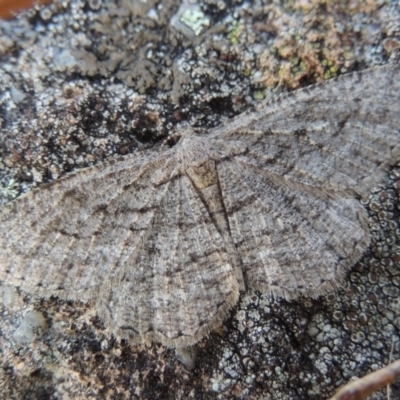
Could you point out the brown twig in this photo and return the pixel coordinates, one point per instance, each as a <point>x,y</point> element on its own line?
<point>369,384</point>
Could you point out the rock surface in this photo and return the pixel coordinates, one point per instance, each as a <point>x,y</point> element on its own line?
<point>83,81</point>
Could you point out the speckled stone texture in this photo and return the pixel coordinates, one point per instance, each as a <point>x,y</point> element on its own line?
<point>84,81</point>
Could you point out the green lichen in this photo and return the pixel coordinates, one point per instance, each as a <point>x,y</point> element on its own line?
<point>195,20</point>
<point>9,192</point>
<point>258,95</point>
<point>331,72</point>
<point>247,71</point>
<point>233,34</point>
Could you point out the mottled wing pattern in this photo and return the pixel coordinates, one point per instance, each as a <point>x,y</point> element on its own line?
<point>147,236</point>
<point>132,234</point>
<point>69,237</point>
<point>291,172</point>
<point>292,239</point>
<point>342,134</point>
<point>180,284</point>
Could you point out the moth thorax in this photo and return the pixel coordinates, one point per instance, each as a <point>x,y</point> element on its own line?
<point>196,161</point>
<point>203,174</point>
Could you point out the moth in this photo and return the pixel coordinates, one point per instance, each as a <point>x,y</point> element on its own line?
<point>164,240</point>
